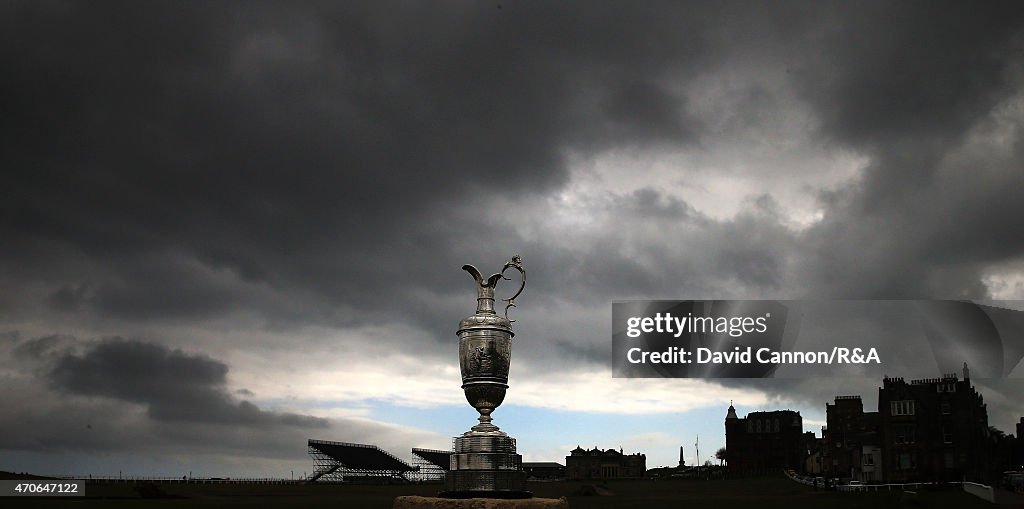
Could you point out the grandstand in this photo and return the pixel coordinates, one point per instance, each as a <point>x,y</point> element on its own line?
<point>432,463</point>
<point>344,462</point>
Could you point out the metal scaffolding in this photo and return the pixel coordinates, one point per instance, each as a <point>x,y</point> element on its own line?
<point>347,462</point>
<point>432,463</point>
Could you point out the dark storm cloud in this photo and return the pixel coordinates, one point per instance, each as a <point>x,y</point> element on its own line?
<point>289,145</point>
<point>649,244</point>
<point>173,385</point>
<point>286,144</point>
<point>163,287</point>
<point>129,397</point>
<point>69,297</point>
<point>39,348</point>
<point>936,242</point>
<point>911,70</point>
<point>53,422</point>
<point>906,83</point>
<point>652,247</point>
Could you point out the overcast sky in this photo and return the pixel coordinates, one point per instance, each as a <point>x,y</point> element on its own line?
<point>230,227</point>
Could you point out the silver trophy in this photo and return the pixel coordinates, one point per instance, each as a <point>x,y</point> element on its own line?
<point>485,463</point>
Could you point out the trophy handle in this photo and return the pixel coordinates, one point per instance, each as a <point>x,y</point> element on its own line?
<point>515,263</point>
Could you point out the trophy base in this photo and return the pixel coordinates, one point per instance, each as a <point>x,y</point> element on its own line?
<point>485,465</point>
<point>486,483</point>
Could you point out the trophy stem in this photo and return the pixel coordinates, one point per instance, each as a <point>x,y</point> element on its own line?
<point>485,426</point>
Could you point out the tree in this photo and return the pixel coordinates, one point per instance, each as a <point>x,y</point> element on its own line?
<point>720,454</point>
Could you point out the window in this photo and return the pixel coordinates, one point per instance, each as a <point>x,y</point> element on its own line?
<point>759,426</point>
<point>869,460</point>
<point>905,461</point>
<point>949,460</point>
<point>903,407</point>
<point>903,433</point>
<point>947,434</point>
<point>775,425</point>
<point>946,409</point>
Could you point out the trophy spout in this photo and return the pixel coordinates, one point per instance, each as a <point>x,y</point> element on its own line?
<point>485,287</point>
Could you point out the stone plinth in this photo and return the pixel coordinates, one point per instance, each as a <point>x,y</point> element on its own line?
<point>413,502</point>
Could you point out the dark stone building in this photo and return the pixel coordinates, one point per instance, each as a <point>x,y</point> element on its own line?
<point>934,430</point>
<point>604,464</point>
<point>544,470</point>
<point>763,441</point>
<point>1020,444</point>
<point>851,445</point>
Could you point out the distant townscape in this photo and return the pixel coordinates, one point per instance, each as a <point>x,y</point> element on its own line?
<point>930,430</point>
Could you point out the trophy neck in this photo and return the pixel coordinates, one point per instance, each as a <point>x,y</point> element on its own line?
<point>485,300</point>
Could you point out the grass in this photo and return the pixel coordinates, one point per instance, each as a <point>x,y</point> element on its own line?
<point>758,493</point>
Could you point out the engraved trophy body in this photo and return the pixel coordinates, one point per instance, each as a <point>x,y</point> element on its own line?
<point>484,462</point>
